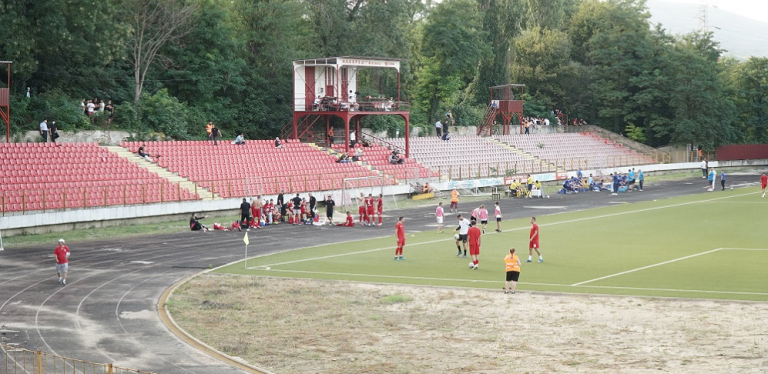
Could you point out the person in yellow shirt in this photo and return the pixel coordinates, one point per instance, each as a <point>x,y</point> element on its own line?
<point>512,264</point>
<point>209,130</point>
<point>455,200</point>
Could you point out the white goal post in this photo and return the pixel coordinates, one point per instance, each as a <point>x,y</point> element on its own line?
<point>353,187</point>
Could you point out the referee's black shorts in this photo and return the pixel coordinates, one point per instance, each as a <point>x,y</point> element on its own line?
<point>513,276</point>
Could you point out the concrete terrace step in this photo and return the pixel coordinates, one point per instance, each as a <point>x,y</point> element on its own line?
<point>185,183</point>
<point>523,153</point>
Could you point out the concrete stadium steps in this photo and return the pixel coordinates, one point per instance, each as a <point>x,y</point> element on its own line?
<point>186,184</point>
<point>525,154</point>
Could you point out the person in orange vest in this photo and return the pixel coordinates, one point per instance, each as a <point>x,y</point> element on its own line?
<point>455,200</point>
<point>512,264</point>
<point>209,130</point>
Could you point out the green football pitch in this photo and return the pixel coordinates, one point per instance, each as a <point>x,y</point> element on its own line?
<point>712,245</point>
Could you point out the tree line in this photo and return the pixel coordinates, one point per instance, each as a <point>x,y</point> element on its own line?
<point>170,66</point>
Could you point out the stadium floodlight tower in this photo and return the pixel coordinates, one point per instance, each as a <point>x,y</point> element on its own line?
<point>5,99</point>
<point>327,87</point>
<point>506,100</point>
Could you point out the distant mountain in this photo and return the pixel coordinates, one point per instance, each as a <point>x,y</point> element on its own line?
<point>741,37</point>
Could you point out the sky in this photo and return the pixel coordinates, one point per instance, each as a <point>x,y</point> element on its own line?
<point>753,9</point>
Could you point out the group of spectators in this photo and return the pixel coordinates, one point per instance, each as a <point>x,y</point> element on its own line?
<point>96,107</point>
<point>47,130</point>
<point>333,103</point>
<point>526,189</point>
<point>615,183</point>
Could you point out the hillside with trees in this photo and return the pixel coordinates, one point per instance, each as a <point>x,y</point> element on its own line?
<point>170,66</point>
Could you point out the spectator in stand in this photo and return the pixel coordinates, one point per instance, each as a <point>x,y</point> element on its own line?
<point>82,107</point>
<point>527,126</point>
<point>143,154</point>
<point>278,143</point>
<point>449,118</point>
<point>352,139</point>
<point>358,152</point>
<point>216,134</point>
<point>44,130</point>
<point>331,139</point>
<point>101,106</point>
<point>439,129</point>
<point>194,223</point>
<point>239,140</point>
<point>89,107</point>
<point>330,205</point>
<point>209,130</point>
<point>446,135</point>
<point>54,131</point>
<point>395,159</point>
<point>296,208</point>
<point>110,111</point>
<point>343,158</point>
<point>350,222</point>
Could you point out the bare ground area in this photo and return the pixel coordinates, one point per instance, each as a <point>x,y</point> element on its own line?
<point>310,326</point>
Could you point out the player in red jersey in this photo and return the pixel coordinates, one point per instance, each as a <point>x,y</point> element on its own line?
<point>473,235</point>
<point>350,222</point>
<point>400,234</point>
<point>61,253</point>
<point>764,182</point>
<point>369,210</point>
<point>533,243</point>
<point>256,205</point>
<point>361,208</point>
<point>380,207</point>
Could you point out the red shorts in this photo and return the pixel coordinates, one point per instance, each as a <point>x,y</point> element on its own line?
<point>474,251</point>
<point>533,244</point>
<point>400,242</point>
<point>765,186</point>
<point>257,212</point>
<point>370,212</point>
<point>361,210</point>
<point>381,211</point>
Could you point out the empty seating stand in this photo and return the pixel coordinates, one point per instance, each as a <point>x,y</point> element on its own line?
<point>256,167</point>
<point>575,150</point>
<point>465,157</point>
<point>47,176</point>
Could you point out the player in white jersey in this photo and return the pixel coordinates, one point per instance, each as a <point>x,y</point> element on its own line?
<point>462,229</point>
<point>497,214</point>
<point>439,215</point>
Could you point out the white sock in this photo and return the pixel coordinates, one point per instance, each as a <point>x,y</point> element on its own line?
<point>541,257</point>
<point>529,258</point>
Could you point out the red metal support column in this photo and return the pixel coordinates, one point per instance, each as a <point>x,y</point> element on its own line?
<point>398,88</point>
<point>407,137</point>
<point>357,129</point>
<point>346,134</point>
<point>327,130</point>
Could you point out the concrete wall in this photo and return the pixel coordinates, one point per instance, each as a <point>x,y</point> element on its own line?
<point>101,137</point>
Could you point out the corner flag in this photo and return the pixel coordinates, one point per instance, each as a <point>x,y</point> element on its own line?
<point>245,239</point>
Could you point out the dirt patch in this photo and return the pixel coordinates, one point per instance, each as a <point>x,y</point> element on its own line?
<point>310,326</point>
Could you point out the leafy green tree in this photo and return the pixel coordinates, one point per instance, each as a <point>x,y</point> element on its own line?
<point>451,48</point>
<point>541,61</point>
<point>750,82</point>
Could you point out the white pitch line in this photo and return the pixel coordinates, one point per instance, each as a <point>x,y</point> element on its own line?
<point>745,249</point>
<point>508,230</point>
<point>647,267</point>
<point>524,283</point>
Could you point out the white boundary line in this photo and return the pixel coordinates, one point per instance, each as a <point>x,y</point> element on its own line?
<point>647,267</point>
<point>525,283</point>
<point>669,262</point>
<point>490,233</point>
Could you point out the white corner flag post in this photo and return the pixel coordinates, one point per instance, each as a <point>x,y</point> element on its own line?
<point>246,241</point>
<point>1,242</point>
